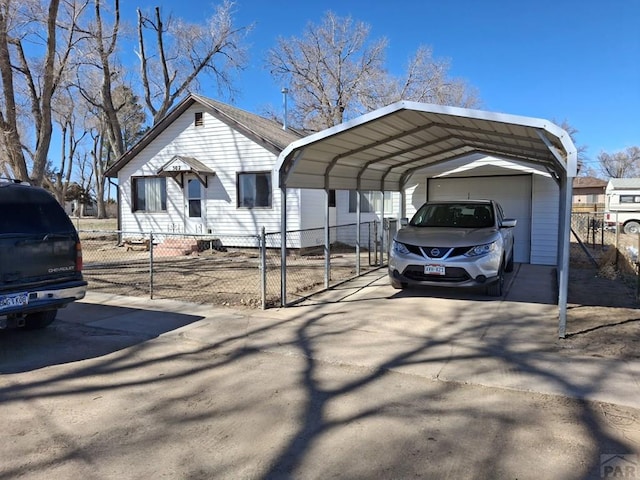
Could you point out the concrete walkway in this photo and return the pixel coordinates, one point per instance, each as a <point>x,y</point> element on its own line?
<point>439,334</point>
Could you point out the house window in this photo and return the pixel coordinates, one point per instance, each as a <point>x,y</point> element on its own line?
<point>149,194</point>
<point>332,198</point>
<point>194,194</point>
<point>254,189</point>
<point>370,202</point>
<point>199,119</point>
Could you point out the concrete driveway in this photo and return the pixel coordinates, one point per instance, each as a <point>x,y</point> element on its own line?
<point>360,382</point>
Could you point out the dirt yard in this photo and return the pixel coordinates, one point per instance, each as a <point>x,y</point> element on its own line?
<point>603,318</point>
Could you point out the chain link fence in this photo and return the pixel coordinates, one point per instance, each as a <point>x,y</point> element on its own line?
<point>307,271</point>
<point>245,270</point>
<point>598,242</point>
<point>229,270</point>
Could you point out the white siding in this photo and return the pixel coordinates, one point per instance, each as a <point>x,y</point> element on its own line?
<point>312,208</point>
<point>345,217</point>
<point>227,152</point>
<point>545,218</point>
<point>415,196</point>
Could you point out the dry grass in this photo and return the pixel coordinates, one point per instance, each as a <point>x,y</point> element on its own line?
<point>92,223</point>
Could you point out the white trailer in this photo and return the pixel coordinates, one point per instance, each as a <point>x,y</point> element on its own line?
<point>622,204</point>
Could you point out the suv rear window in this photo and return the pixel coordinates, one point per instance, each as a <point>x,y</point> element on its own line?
<point>31,211</point>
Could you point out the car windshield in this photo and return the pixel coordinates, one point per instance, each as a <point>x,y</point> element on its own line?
<point>460,215</point>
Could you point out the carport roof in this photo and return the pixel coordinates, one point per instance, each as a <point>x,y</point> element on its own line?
<point>382,149</point>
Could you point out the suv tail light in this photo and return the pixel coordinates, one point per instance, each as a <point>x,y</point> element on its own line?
<point>78,257</point>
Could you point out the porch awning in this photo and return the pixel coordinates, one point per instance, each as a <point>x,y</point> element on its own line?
<point>179,165</point>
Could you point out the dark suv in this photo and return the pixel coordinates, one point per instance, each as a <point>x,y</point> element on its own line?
<point>40,257</point>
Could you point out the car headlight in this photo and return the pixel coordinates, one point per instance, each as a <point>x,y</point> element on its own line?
<point>481,250</point>
<point>400,248</point>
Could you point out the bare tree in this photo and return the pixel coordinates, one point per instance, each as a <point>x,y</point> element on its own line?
<point>100,154</point>
<point>101,86</point>
<point>32,80</point>
<point>183,51</point>
<point>581,150</point>
<point>130,114</point>
<point>11,141</point>
<point>326,68</point>
<point>66,112</point>
<point>622,164</point>
<point>334,72</point>
<point>427,80</point>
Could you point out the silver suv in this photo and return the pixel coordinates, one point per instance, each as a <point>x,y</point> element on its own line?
<point>40,257</point>
<point>462,243</point>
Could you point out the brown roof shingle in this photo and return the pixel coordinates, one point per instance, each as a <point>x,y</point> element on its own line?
<point>263,131</point>
<point>589,182</point>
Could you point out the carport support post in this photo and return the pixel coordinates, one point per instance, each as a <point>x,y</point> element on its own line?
<point>327,240</point>
<point>358,238</point>
<point>382,242</point>
<point>151,265</point>
<point>563,282</point>
<point>283,246</point>
<point>263,267</point>
<point>358,220</point>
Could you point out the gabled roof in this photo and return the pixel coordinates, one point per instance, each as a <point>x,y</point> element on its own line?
<point>589,182</point>
<point>263,131</point>
<point>180,164</point>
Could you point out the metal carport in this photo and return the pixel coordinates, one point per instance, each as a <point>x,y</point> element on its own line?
<point>382,149</point>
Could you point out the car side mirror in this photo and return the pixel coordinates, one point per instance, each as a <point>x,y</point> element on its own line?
<point>508,223</point>
<point>404,221</point>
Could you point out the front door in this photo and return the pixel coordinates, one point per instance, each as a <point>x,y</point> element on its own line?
<point>194,214</point>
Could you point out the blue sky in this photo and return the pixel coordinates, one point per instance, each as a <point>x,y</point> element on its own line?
<point>574,60</point>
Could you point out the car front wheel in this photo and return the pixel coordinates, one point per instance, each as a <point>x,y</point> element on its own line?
<point>397,284</point>
<point>497,287</point>
<point>509,266</point>
<point>38,320</point>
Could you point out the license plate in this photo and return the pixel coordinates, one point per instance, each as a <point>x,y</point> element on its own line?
<point>434,270</point>
<point>15,300</point>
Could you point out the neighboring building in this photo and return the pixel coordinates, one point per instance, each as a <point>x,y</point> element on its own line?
<point>623,204</point>
<point>588,194</point>
<point>74,208</point>
<point>210,168</point>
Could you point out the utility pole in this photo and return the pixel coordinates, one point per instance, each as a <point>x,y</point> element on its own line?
<point>285,91</point>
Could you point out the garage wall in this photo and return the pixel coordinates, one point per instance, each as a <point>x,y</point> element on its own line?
<point>513,192</point>
<point>545,221</point>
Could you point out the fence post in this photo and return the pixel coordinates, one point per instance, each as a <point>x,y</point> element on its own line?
<point>263,268</point>
<point>358,226</point>
<point>151,265</point>
<point>375,243</point>
<point>617,245</point>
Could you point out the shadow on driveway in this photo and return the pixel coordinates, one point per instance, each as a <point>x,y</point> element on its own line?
<point>82,331</point>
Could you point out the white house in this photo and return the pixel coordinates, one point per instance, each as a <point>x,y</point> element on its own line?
<point>210,168</point>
